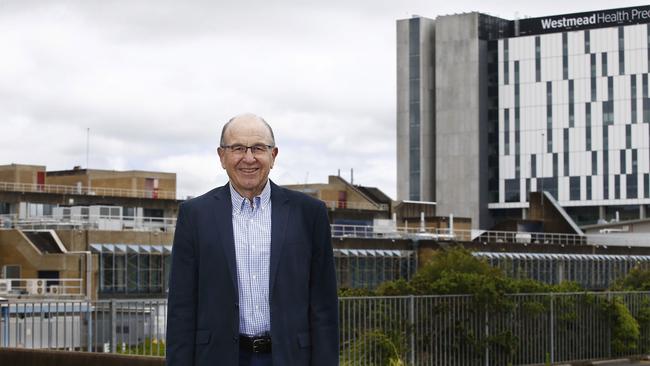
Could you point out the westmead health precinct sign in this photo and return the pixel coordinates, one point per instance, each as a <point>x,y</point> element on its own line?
<point>587,20</point>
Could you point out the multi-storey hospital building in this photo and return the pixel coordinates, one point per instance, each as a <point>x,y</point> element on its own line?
<point>490,109</point>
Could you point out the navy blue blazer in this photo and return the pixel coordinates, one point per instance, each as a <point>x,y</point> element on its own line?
<point>203,314</point>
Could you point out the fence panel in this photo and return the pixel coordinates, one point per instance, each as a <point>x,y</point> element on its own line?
<point>414,330</point>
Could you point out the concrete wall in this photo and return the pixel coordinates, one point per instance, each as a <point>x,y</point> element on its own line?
<point>18,173</point>
<point>427,109</point>
<point>460,140</point>
<point>113,179</point>
<point>330,191</point>
<point>402,117</point>
<point>16,249</point>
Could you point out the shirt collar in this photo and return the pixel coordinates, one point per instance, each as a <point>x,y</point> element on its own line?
<point>261,200</point>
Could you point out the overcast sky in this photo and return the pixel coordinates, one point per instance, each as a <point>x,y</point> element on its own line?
<point>154,81</point>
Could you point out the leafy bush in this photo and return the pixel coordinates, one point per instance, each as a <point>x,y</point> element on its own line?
<point>625,333</point>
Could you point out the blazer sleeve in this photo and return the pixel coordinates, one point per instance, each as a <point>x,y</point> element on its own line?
<point>182,299</point>
<point>323,311</point>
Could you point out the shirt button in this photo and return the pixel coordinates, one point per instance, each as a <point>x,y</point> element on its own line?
<point>257,307</point>
<point>254,277</point>
<point>235,339</point>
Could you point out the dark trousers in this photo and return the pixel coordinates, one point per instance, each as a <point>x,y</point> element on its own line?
<point>254,359</point>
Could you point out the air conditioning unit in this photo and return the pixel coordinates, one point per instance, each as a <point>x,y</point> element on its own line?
<point>5,287</point>
<point>55,290</point>
<point>36,287</point>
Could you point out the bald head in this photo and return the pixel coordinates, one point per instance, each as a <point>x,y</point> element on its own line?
<point>245,120</point>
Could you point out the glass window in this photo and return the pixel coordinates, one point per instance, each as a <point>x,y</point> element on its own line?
<point>632,186</point>
<point>120,273</point>
<point>132,271</point>
<point>574,188</point>
<point>156,273</point>
<point>144,272</point>
<point>512,190</point>
<point>107,272</point>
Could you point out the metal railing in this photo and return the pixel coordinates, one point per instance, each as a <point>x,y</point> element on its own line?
<point>40,287</point>
<point>356,205</point>
<point>136,223</point>
<point>115,326</point>
<point>89,222</point>
<point>84,190</point>
<point>416,330</point>
<point>461,330</point>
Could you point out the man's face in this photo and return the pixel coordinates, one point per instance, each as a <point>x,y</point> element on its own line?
<point>249,171</point>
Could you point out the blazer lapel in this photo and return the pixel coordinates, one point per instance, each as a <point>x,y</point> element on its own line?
<point>223,226</point>
<point>279,217</point>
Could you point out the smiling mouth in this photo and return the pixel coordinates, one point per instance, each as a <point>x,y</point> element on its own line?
<point>248,170</point>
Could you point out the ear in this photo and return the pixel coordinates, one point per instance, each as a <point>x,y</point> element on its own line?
<point>222,156</point>
<point>274,153</point>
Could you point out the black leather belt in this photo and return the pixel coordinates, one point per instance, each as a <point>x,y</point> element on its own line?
<point>255,344</point>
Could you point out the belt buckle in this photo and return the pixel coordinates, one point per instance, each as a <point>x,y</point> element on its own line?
<point>259,344</point>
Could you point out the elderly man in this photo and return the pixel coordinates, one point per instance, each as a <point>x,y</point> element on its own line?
<point>252,280</point>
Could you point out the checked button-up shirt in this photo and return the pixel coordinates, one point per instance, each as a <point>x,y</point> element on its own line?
<point>251,225</point>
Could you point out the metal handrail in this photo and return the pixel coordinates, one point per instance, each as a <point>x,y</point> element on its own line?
<point>84,190</point>
<point>89,222</point>
<point>355,205</point>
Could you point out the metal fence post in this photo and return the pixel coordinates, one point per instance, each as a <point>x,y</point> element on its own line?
<point>609,326</point>
<point>89,314</point>
<point>552,328</point>
<point>4,321</point>
<point>487,336</point>
<point>113,324</point>
<point>412,327</point>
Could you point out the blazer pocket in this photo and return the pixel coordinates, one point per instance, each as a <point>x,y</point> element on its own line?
<point>202,336</point>
<point>304,340</point>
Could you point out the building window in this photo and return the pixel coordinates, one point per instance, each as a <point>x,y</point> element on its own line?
<point>506,131</point>
<point>617,186</point>
<point>610,88</point>
<point>632,186</point>
<point>574,188</point>
<point>571,104</point>
<point>621,51</point>
<point>646,110</point>
<point>587,42</point>
<point>588,125</point>
<point>633,98</point>
<point>549,116</point>
<point>588,186</point>
<point>623,165</point>
<point>603,62</point>
<point>594,163</point>
<point>414,109</point>
<point>538,60</point>
<point>533,166</point>
<point>512,190</point>
<point>608,112</point>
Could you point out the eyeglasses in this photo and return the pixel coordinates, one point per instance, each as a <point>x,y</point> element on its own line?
<point>240,150</point>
